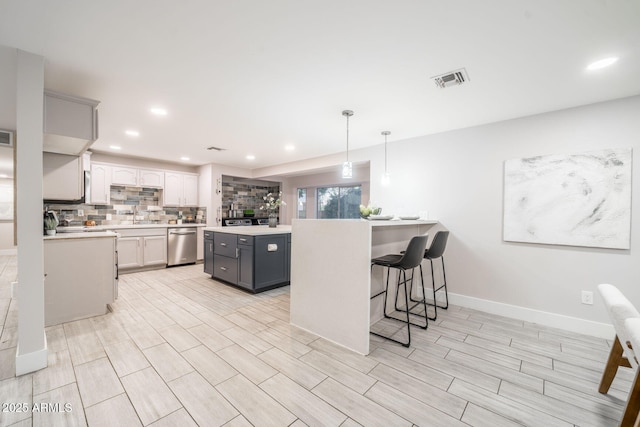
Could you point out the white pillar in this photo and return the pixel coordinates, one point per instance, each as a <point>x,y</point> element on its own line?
<point>31,353</point>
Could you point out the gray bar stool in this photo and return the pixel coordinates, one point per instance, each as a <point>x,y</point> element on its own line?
<point>435,251</point>
<point>408,260</point>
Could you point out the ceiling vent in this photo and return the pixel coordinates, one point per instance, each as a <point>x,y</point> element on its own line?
<point>215,148</point>
<point>6,138</point>
<point>452,78</point>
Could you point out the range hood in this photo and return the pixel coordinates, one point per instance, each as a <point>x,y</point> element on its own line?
<point>70,123</point>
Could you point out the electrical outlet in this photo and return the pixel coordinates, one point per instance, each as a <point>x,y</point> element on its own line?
<point>80,212</point>
<point>587,297</point>
<point>108,217</point>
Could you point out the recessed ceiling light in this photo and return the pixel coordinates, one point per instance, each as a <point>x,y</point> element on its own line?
<point>132,132</point>
<point>115,147</point>
<point>289,147</point>
<point>251,157</point>
<point>184,158</point>
<point>602,63</point>
<point>158,111</point>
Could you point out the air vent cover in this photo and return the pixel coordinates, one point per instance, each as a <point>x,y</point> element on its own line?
<point>6,138</point>
<point>216,148</point>
<point>452,78</point>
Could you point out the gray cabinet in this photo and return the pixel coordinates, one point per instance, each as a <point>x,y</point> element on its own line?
<point>208,252</point>
<point>255,263</point>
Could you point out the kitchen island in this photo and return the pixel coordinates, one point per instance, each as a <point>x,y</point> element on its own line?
<point>254,258</point>
<point>81,275</point>
<point>331,276</point>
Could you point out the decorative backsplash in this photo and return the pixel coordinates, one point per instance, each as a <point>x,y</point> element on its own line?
<point>244,196</point>
<point>129,205</point>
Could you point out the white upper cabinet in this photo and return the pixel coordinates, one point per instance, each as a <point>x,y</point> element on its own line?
<point>100,184</point>
<point>151,178</point>
<point>62,177</point>
<point>121,175</point>
<point>180,189</point>
<point>134,177</point>
<point>70,123</point>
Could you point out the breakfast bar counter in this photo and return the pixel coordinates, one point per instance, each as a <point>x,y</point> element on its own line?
<point>331,278</point>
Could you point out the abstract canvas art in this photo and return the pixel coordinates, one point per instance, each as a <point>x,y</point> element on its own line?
<point>576,199</point>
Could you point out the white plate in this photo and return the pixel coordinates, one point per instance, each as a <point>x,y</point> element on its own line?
<point>380,217</point>
<point>410,217</point>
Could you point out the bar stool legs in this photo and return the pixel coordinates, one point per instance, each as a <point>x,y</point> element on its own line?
<point>409,260</point>
<point>406,297</point>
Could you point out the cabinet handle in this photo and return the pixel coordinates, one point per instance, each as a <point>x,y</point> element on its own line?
<point>210,246</point>
<point>223,268</point>
<point>243,240</point>
<point>237,253</point>
<point>223,244</point>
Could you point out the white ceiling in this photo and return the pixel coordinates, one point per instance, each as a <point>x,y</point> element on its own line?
<point>252,76</point>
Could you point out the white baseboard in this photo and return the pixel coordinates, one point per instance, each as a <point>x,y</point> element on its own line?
<point>12,251</point>
<point>568,323</point>
<point>31,362</point>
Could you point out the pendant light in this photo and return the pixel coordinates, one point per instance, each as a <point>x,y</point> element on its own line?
<point>347,167</point>
<point>386,179</point>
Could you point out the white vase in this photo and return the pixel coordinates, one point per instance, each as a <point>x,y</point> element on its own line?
<point>51,232</point>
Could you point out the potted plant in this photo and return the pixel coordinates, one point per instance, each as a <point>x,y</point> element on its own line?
<point>50,225</point>
<point>271,204</point>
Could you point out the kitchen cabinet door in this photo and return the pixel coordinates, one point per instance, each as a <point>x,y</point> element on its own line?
<point>121,175</point>
<point>180,189</point>
<point>200,244</point>
<point>100,184</point>
<point>155,250</point>
<point>62,177</point>
<point>208,253</point>
<point>130,252</point>
<point>151,178</point>
<point>173,183</point>
<point>245,266</point>
<point>190,190</point>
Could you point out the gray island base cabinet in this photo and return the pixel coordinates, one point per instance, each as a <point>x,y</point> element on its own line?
<point>252,262</point>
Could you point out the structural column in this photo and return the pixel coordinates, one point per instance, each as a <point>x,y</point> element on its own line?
<point>31,353</point>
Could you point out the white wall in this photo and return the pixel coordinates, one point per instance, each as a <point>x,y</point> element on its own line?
<point>458,177</point>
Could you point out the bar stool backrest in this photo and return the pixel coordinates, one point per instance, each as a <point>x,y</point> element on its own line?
<point>620,309</point>
<point>412,257</point>
<point>439,244</point>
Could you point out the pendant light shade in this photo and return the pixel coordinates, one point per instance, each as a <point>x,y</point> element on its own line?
<point>386,179</point>
<point>347,167</point>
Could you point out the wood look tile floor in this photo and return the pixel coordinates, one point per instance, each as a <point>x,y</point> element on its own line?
<point>180,349</point>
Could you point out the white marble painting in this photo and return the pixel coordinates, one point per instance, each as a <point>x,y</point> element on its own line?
<point>577,199</point>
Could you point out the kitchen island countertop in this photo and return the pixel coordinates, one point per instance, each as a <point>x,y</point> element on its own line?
<point>254,230</point>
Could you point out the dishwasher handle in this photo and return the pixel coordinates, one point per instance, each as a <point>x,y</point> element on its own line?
<point>182,233</point>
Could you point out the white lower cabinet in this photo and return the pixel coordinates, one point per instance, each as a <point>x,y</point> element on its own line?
<point>80,277</point>
<point>154,250</point>
<point>129,252</point>
<point>142,247</point>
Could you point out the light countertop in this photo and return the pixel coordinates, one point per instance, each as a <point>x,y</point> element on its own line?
<point>94,235</point>
<point>100,228</point>
<point>255,230</point>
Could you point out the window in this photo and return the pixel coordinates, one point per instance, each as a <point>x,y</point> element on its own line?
<point>302,203</point>
<point>339,202</point>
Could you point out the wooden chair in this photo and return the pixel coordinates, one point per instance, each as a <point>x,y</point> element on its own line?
<point>620,311</point>
<point>630,417</point>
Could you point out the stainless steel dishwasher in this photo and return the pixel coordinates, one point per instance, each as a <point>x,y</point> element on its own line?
<point>181,246</point>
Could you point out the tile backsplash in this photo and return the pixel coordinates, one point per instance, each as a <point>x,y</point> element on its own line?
<point>245,195</point>
<point>129,205</point>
